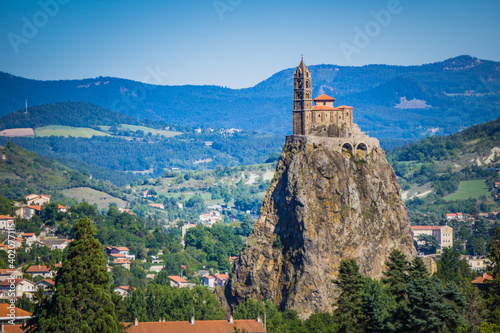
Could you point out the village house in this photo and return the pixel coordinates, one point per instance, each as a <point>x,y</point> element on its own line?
<point>443,234</point>
<point>123,291</point>
<point>15,242</point>
<point>481,282</point>
<point>48,286</point>
<point>122,262</point>
<point>40,270</point>
<point>157,205</point>
<point>196,326</point>
<point>177,281</point>
<point>27,212</point>
<point>55,243</point>
<point>208,281</point>
<point>210,218</point>
<point>115,252</point>
<point>21,287</point>
<point>35,199</point>
<point>61,208</point>
<point>477,263</point>
<point>29,238</point>
<point>20,317</point>
<point>454,216</point>
<point>126,210</point>
<point>10,273</point>
<point>6,221</point>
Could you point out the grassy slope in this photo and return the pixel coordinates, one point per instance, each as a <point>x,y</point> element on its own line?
<point>77,132</point>
<point>469,189</point>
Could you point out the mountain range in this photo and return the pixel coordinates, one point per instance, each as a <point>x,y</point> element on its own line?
<point>390,102</point>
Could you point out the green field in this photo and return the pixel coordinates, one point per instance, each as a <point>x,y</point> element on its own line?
<point>77,132</point>
<point>147,130</point>
<point>469,189</point>
<point>94,197</point>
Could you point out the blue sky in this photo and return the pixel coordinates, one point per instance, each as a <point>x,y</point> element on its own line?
<point>235,43</point>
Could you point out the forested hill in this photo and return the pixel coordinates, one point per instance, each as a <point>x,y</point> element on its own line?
<point>479,144</point>
<point>76,114</point>
<point>396,102</point>
<point>23,172</point>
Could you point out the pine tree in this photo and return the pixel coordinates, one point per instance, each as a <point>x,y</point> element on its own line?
<point>349,312</point>
<point>417,269</point>
<point>396,282</point>
<point>82,301</point>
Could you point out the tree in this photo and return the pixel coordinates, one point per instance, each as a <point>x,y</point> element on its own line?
<point>433,307</point>
<point>494,290</point>
<point>396,281</point>
<point>378,306</point>
<point>82,301</point>
<point>349,312</point>
<point>429,243</point>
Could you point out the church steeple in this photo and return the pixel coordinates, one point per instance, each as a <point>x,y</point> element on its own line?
<point>302,99</point>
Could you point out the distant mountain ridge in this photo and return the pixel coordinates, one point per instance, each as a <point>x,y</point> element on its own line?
<point>457,93</point>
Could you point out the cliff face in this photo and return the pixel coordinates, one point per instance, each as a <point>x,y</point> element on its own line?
<point>321,207</point>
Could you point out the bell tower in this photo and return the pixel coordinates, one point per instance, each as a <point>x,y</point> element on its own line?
<point>302,100</point>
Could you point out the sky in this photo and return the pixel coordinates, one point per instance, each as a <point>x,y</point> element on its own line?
<point>235,43</point>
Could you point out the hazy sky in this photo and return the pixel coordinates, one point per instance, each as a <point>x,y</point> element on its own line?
<point>235,43</point>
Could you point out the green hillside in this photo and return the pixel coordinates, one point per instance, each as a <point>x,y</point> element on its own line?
<point>451,173</point>
<point>23,172</point>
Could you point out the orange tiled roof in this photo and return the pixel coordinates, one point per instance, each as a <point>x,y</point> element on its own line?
<point>117,255</point>
<point>221,276</point>
<point>123,248</point>
<point>50,281</point>
<point>5,217</point>
<point>8,282</point>
<point>344,107</point>
<point>482,279</point>
<point>5,311</point>
<point>324,98</point>
<point>427,227</point>
<point>38,269</point>
<point>35,207</point>
<point>28,234</point>
<point>59,206</point>
<point>177,279</point>
<point>323,107</point>
<point>200,326</point>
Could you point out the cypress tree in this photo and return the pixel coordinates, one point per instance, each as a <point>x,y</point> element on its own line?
<point>82,301</point>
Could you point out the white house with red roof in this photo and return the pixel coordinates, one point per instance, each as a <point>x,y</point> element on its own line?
<point>208,281</point>
<point>35,199</point>
<point>177,281</point>
<point>40,270</point>
<point>443,234</point>
<point>10,273</point>
<point>19,286</point>
<point>29,237</point>
<point>123,291</point>
<point>6,222</point>
<point>119,252</point>
<point>19,317</point>
<point>454,216</point>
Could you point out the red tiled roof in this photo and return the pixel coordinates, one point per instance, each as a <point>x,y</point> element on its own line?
<point>60,206</point>
<point>5,311</point>
<point>8,271</point>
<point>38,269</point>
<point>123,248</point>
<point>177,279</point>
<point>344,107</point>
<point>427,227</point>
<point>35,207</point>
<point>28,234</point>
<point>117,255</point>
<point>221,276</point>
<point>323,107</point>
<point>324,98</point>
<point>482,279</point>
<point>8,282</point>
<point>50,281</point>
<point>201,326</point>
<point>5,217</point>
